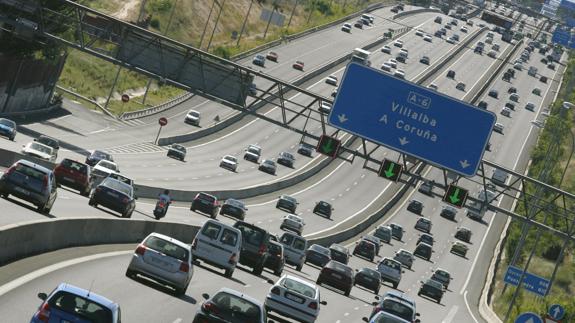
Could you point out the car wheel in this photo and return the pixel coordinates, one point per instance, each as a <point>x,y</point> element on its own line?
<point>371,259</point>
<point>229,272</point>
<point>438,300</point>
<point>214,214</point>
<point>192,209</point>
<point>85,192</point>
<point>180,291</point>
<point>278,272</point>
<point>258,270</point>
<point>318,282</point>
<point>418,293</point>
<point>130,274</point>
<point>394,285</point>
<point>5,195</point>
<point>409,267</point>
<point>376,291</point>
<point>93,203</point>
<point>299,267</point>
<point>347,292</point>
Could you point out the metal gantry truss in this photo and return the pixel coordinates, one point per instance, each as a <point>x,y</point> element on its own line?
<point>103,36</point>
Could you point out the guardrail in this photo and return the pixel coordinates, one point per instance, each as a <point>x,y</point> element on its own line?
<point>106,111</point>
<point>156,109</point>
<point>407,13</point>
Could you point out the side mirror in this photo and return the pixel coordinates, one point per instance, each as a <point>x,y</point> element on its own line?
<point>42,296</point>
<point>374,303</point>
<point>376,297</point>
<point>205,296</point>
<point>417,314</point>
<point>365,319</point>
<point>323,303</point>
<point>356,269</point>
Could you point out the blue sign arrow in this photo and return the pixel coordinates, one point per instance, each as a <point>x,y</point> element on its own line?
<point>528,317</point>
<point>412,119</point>
<point>531,282</point>
<point>556,312</point>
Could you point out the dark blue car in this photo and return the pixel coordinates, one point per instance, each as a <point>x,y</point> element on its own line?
<point>8,128</point>
<point>115,195</point>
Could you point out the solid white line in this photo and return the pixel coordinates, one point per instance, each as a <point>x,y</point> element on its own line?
<point>52,268</point>
<point>451,314</point>
<point>469,308</point>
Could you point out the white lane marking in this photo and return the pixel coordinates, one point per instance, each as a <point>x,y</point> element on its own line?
<point>178,320</point>
<point>52,268</point>
<point>469,308</point>
<point>451,314</point>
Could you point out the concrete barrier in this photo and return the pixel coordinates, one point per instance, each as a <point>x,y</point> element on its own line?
<point>411,12</point>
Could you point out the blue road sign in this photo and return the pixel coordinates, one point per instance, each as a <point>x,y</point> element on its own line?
<point>561,37</point>
<point>528,317</point>
<point>412,119</point>
<point>531,283</point>
<point>570,22</point>
<point>556,312</point>
<point>568,4</point>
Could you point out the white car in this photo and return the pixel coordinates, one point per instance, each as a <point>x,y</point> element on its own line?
<point>432,86</point>
<point>506,112</point>
<point>229,162</point>
<point>392,62</point>
<point>386,67</point>
<point>295,298</point>
<point>332,80</point>
<point>386,49</point>
<point>403,52</point>
<point>419,32</point>
<point>193,117</point>
<point>463,29</point>
<point>292,222</point>
<point>399,73</point>
<point>346,27</point>
<point>498,127</point>
<point>428,38</point>
<point>39,150</point>
<point>398,43</point>
<point>450,40</point>
<point>325,107</point>
<point>103,169</point>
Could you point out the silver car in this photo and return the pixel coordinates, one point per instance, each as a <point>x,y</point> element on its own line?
<point>165,260</point>
<point>292,223</point>
<point>404,257</point>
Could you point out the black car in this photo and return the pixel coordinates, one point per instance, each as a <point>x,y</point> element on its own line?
<point>426,238</point>
<point>512,89</point>
<point>255,242</point>
<point>433,289</point>
<point>228,306</point>
<point>448,212</point>
<point>305,149</point>
<point>287,203</point>
<point>463,234</point>
<point>451,74</point>
<point>275,260</point>
<point>286,159</point>
<point>365,249</point>
<point>323,208</point>
<point>235,208</point>
<point>510,106</point>
<point>317,255</point>
<point>96,156</point>
<point>339,253</point>
<point>415,206</point>
<point>423,250</point>
<point>368,278</point>
<point>337,275</point>
<point>426,188</point>
<point>177,151</point>
<point>493,94</point>
<point>400,59</point>
<point>206,203</point>
<point>482,104</point>
<point>396,231</point>
<point>115,195</point>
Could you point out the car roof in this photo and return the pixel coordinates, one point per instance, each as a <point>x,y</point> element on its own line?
<point>87,294</point>
<point>34,165</point>
<point>299,280</point>
<point>172,240</point>
<point>399,296</point>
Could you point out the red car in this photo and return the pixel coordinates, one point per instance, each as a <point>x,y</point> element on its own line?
<point>298,65</point>
<point>75,175</point>
<point>272,56</point>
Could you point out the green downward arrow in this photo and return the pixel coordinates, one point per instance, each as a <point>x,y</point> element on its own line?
<point>389,172</point>
<point>327,147</point>
<point>454,197</point>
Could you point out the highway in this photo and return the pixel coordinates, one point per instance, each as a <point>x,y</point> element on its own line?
<point>349,187</point>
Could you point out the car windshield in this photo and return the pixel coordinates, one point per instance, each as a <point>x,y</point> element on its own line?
<point>101,154</point>
<point>118,186</point>
<point>41,148</point>
<point>338,248</point>
<point>6,122</point>
<point>30,172</point>
<point>294,218</point>
<point>167,248</point>
<point>80,307</point>
<point>299,244</point>
<point>441,274</point>
<point>251,235</point>
<point>434,284</point>
<point>370,272</point>
<point>231,158</point>
<point>320,249</point>
<point>235,203</point>
<point>287,155</point>
<point>390,263</point>
<point>194,114</point>
<point>179,147</point>
<point>397,308</point>
<point>340,267</point>
<point>253,151</point>
<point>288,198</point>
<point>108,165</point>
<point>298,287</point>
<point>74,165</point>
<point>269,162</point>
<point>236,309</point>
<point>206,197</point>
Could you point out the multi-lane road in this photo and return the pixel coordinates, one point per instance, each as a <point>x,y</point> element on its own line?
<point>350,188</point>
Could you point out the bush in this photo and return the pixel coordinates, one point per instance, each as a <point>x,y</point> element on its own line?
<point>222,52</point>
<point>160,5</point>
<point>155,23</point>
<point>552,252</point>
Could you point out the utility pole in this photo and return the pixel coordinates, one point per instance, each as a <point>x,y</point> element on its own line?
<point>206,25</point>
<point>244,23</point>
<point>216,24</point>
<point>311,9</point>
<point>292,13</point>
<point>274,6</point>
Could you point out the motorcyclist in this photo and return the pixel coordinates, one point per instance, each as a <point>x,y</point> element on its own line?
<point>165,197</point>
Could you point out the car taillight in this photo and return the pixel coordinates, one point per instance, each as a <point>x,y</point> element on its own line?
<point>43,313</point>
<point>125,200</point>
<point>313,305</point>
<point>11,170</point>
<point>45,182</point>
<point>210,307</point>
<point>195,244</point>
<point>275,290</point>
<point>233,259</point>
<point>98,189</point>
<point>141,250</point>
<point>262,250</point>
<point>184,267</point>
<point>377,309</point>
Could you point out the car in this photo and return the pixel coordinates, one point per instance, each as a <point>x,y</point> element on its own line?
<point>368,278</point>
<point>38,150</point>
<point>193,117</point>
<point>163,259</point>
<point>386,49</point>
<point>463,234</point>
<point>294,298</point>
<point>425,238</point>
<point>459,249</point>
<point>512,89</point>
<point>292,223</point>
<point>428,38</point>
<point>404,257</point>
<point>530,106</point>
<point>295,247</point>
<point>438,20</point>
<point>423,224</point>
<point>403,53</point>
<point>495,47</point>
<point>498,127</point>
<point>268,166</point>
<point>219,245</point>
<point>332,80</point>
<point>231,305</point>
<point>447,26</point>
<point>448,212</point>
<point>450,40</point>
<point>31,182</point>
<point>383,233</point>
<point>234,208</point>
<point>482,105</point>
<point>478,50</point>
<point>492,54</point>
<point>432,86</point>
<point>317,255</point>
<point>423,250</point>
<point>493,93</point>
<point>276,259</point>
<point>399,73</point>
<point>451,74</point>
<point>442,276</point>
<point>364,249</point>
<point>259,60</point>
<point>339,253</point>
<point>102,170</point>
<point>438,34</point>
<point>254,248</point>
<point>114,195</point>
<point>518,66</point>
<point>506,112</point>
<point>305,149</point>
<point>398,43</point>
<point>337,275</point>
<point>415,206</point>
<point>346,27</point>
<point>272,56</point>
<point>392,62</point>
<point>229,162</point>
<point>287,159</point>
<point>419,32</point>
<point>97,155</point>
<point>287,203</point>
<point>514,97</point>
<point>122,178</point>
<point>394,307</point>
<point>443,31</point>
<point>334,92</point>
<point>69,303</point>
<point>536,91</point>
<point>373,239</point>
<point>400,59</point>
<point>74,174</point>
<point>543,79</point>
<point>50,142</point>
<point>431,288</point>
<point>424,60</point>
<point>253,153</point>
<point>455,37</point>
<point>298,65</point>
<point>8,128</point>
<point>177,151</point>
<point>205,203</point>
<point>390,271</point>
<point>551,66</point>
<point>323,208</point>
<point>460,86</point>
<point>396,231</point>
<point>358,24</point>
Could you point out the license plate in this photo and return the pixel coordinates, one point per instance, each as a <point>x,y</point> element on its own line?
<point>337,276</point>
<point>21,190</point>
<point>293,298</point>
<point>65,321</point>
<point>68,179</point>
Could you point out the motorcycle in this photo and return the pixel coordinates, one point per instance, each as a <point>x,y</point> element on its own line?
<point>161,209</point>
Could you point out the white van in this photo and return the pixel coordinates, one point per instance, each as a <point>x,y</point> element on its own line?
<point>294,249</point>
<point>499,177</point>
<point>218,244</point>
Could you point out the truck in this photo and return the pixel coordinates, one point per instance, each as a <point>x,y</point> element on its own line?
<point>361,56</point>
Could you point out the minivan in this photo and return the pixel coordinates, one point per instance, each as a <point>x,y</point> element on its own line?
<point>294,249</point>
<point>254,247</point>
<point>219,245</point>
